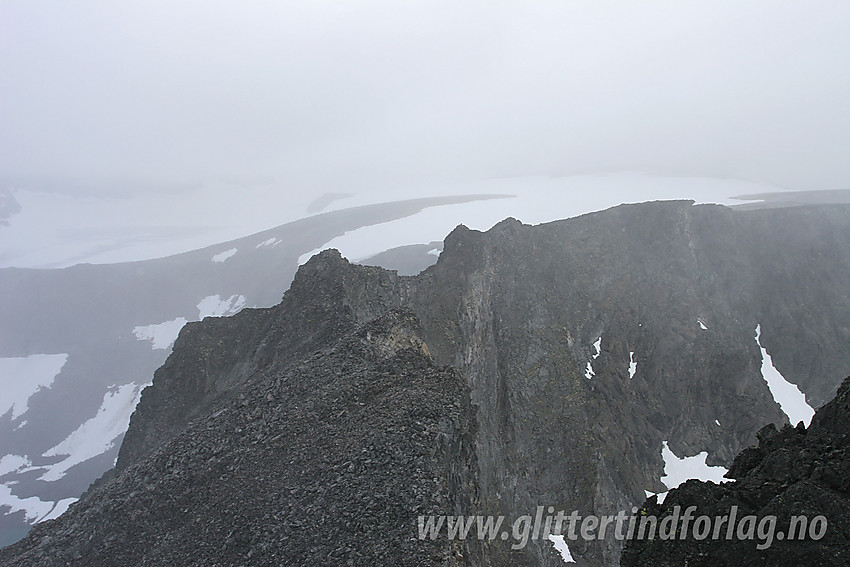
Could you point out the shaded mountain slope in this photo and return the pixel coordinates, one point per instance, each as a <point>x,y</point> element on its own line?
<point>792,472</point>
<point>115,324</point>
<point>322,462</point>
<point>583,345</point>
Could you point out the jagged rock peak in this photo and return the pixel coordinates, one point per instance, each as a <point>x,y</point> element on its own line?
<point>507,224</point>
<point>792,472</point>
<point>319,268</point>
<point>835,415</point>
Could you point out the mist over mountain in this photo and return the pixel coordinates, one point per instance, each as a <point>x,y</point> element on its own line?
<point>168,167</point>
<point>8,206</point>
<point>58,228</point>
<point>551,365</point>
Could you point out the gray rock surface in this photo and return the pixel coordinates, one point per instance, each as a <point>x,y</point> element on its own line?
<point>795,472</point>
<point>89,312</point>
<point>513,313</point>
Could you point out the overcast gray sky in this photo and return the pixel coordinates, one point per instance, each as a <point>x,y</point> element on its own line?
<point>331,96</point>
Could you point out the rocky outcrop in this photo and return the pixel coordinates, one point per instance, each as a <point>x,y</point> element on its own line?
<point>116,324</point>
<point>566,354</point>
<point>325,462</point>
<point>793,472</point>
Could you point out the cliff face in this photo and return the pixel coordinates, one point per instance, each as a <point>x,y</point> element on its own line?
<point>792,472</point>
<point>115,324</point>
<point>329,460</point>
<point>522,320</point>
<point>483,374</point>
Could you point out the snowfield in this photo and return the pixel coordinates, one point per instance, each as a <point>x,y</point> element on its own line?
<point>215,306</point>
<point>35,510</point>
<point>21,377</point>
<point>678,470</point>
<point>98,434</point>
<point>532,200</point>
<point>223,256</point>
<point>562,548</point>
<point>161,335</point>
<point>787,395</point>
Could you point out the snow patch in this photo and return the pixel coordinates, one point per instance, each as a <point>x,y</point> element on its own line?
<point>223,256</point>
<point>58,509</point>
<point>588,372</point>
<point>162,335</point>
<point>21,377</point>
<point>35,510</point>
<point>659,496</point>
<point>562,548</point>
<point>98,434</point>
<point>717,422</point>
<point>270,242</point>
<point>787,395</point>
<point>215,306</point>
<point>435,252</point>
<point>679,470</point>
<point>33,507</point>
<point>701,325</point>
<point>302,259</point>
<point>632,365</point>
<point>15,463</point>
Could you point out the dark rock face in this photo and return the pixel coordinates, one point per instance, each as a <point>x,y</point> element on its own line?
<point>504,325</point>
<point>792,472</point>
<point>324,462</point>
<point>90,313</point>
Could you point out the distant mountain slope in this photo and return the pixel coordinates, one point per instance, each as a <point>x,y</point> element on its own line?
<point>106,328</point>
<point>587,348</point>
<point>794,199</point>
<point>407,260</point>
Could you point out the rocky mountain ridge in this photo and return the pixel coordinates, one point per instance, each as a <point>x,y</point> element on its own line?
<point>669,292</point>
<point>78,344</point>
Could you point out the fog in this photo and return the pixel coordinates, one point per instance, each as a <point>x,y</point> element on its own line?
<point>394,97</point>
<point>134,130</point>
